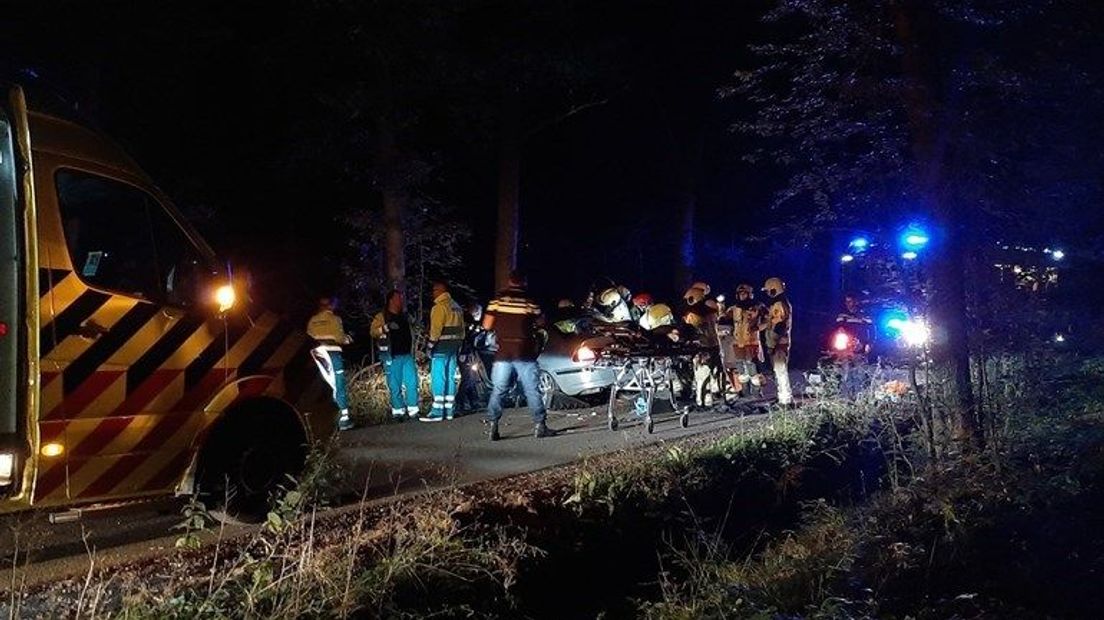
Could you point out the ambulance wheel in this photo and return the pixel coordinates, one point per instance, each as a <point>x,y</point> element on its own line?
<point>612,423</point>
<point>250,457</point>
<point>684,420</point>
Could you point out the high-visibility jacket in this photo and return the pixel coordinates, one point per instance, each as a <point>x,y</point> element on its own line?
<point>748,319</point>
<point>446,325</point>
<point>780,317</point>
<point>326,328</point>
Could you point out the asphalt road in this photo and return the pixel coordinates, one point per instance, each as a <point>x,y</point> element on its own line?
<point>379,463</point>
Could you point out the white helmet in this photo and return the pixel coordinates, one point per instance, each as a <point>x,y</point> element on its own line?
<point>774,287</point>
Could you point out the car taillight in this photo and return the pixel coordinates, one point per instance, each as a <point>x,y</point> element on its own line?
<point>841,341</point>
<point>584,354</point>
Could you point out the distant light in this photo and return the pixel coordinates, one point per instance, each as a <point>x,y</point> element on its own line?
<point>915,333</point>
<point>910,255</point>
<point>914,238</point>
<point>1059,338</point>
<point>720,299</point>
<point>896,323</point>
<point>1057,254</point>
<point>859,244</point>
<point>841,341</point>
<point>585,354</point>
<point>846,258</point>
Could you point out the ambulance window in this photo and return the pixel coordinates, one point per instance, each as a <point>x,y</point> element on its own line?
<point>181,266</point>
<point>120,238</point>
<point>109,233</point>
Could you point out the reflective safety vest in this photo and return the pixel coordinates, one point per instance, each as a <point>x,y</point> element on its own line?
<point>326,328</point>
<point>446,326</point>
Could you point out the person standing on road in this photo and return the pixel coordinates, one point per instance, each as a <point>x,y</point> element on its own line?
<point>446,335</point>
<point>395,343</point>
<point>748,320</point>
<point>328,332</point>
<point>780,321</point>
<point>515,317</point>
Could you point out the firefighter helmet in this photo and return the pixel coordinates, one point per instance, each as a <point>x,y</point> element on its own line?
<point>609,298</point>
<point>745,288</point>
<point>774,287</point>
<point>696,293</point>
<point>657,316</point>
<point>642,300</point>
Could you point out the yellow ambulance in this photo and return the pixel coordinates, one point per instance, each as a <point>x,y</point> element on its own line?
<point>129,366</point>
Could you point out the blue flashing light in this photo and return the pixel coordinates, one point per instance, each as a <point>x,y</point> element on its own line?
<point>859,244</point>
<point>914,238</point>
<point>846,258</point>
<point>910,255</point>
<point>894,320</point>
<point>1057,254</point>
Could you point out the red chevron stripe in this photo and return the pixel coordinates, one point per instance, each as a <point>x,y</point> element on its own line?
<point>75,402</point>
<point>47,377</point>
<point>162,432</point>
<point>51,480</point>
<point>115,474</point>
<point>104,433</point>
<point>51,431</point>
<point>147,391</point>
<point>202,392</point>
<point>170,472</point>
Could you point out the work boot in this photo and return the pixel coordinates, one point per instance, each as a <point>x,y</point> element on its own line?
<point>344,421</point>
<point>494,431</point>
<point>541,431</point>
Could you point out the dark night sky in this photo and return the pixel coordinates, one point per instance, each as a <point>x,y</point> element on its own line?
<point>219,101</point>
<point>213,99</point>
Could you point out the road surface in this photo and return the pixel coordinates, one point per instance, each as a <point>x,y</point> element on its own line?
<point>380,462</point>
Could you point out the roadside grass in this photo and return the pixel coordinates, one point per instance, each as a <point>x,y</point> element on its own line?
<point>1010,532</point>
<point>839,510</point>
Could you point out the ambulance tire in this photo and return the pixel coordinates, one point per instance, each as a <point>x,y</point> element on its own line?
<point>250,456</point>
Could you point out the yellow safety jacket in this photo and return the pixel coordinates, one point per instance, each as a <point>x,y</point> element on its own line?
<point>780,315</point>
<point>446,326</point>
<point>326,328</point>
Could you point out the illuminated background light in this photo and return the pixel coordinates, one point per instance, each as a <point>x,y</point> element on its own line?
<point>225,297</point>
<point>846,258</point>
<point>910,255</point>
<point>841,341</point>
<point>858,244</point>
<point>1057,254</point>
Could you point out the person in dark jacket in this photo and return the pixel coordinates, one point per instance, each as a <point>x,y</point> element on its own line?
<point>395,344</point>
<point>515,317</point>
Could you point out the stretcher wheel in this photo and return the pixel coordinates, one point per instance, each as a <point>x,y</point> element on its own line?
<point>612,423</point>
<point>650,425</point>
<point>684,420</point>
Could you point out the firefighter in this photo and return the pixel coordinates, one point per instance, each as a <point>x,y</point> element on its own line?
<point>652,315</point>
<point>748,320</point>
<point>395,344</point>
<point>446,335</point>
<point>778,332</point>
<point>612,305</point>
<point>701,313</point>
<point>851,344</point>
<point>515,318</point>
<point>329,335</point>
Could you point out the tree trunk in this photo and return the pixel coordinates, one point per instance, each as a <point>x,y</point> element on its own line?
<point>509,184</point>
<point>394,200</point>
<point>931,120</point>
